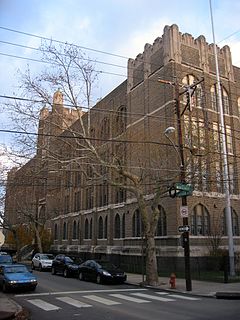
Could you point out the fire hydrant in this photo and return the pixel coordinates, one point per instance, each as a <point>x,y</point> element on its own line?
<point>172,281</point>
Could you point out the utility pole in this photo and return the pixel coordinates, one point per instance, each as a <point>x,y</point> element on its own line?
<point>225,159</point>
<point>185,235</point>
<point>189,90</point>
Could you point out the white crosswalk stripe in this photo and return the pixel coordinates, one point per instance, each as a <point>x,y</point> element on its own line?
<point>74,302</point>
<point>151,297</point>
<point>178,296</point>
<point>108,302</point>
<point>43,305</point>
<point>128,298</point>
<point>135,297</point>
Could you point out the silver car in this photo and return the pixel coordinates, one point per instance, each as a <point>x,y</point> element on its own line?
<point>42,261</point>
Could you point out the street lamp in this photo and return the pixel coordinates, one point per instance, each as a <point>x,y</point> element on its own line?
<point>185,234</point>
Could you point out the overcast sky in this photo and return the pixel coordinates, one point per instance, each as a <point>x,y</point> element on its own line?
<point>120,27</point>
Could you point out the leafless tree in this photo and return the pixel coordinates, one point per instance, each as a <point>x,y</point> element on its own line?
<point>101,161</point>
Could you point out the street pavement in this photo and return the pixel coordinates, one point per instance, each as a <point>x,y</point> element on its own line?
<point>9,309</point>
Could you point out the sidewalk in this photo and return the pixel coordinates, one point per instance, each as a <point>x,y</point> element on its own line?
<point>202,288</point>
<point>9,309</point>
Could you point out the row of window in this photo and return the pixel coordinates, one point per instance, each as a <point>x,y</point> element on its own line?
<point>199,220</point>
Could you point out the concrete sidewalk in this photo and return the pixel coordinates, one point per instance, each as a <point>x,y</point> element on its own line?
<point>9,309</point>
<point>202,288</point>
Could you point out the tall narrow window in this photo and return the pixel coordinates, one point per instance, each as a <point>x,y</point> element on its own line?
<point>123,225</point>
<point>74,235</point>
<point>162,223</point>
<point>90,228</point>
<point>65,231</point>
<point>136,224</point>
<point>238,103</point>
<point>235,223</point>
<point>117,226</point>
<point>226,109</point>
<point>55,231</point>
<point>229,139</point>
<point>200,221</point>
<point>106,227</point>
<point>86,231</point>
<point>100,228</point>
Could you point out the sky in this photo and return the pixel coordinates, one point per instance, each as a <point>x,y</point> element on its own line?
<point>113,27</point>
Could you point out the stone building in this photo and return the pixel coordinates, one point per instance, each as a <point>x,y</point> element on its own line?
<point>130,123</point>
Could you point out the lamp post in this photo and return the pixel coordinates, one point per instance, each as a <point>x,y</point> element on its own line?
<point>185,235</point>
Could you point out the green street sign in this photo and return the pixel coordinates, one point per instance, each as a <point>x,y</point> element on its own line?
<point>180,189</point>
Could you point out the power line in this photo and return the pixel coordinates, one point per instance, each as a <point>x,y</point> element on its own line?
<point>62,42</point>
<point>48,62</point>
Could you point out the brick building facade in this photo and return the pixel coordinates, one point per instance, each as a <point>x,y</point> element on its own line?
<point>130,122</point>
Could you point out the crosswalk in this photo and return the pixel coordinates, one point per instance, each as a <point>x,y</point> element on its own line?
<point>105,298</point>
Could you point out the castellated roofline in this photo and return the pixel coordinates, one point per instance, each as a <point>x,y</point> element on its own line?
<point>182,49</point>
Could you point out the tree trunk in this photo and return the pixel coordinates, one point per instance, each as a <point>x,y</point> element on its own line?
<point>151,261</point>
<point>39,241</point>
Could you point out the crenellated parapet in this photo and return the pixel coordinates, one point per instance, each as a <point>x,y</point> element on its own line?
<point>180,48</point>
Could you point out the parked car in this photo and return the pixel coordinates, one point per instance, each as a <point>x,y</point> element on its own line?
<point>42,261</point>
<point>5,259</point>
<point>65,265</point>
<point>101,271</point>
<point>16,276</point>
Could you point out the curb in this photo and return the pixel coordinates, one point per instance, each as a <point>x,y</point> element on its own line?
<point>190,293</point>
<point>228,295</point>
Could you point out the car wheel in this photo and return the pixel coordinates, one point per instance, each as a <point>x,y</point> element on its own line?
<point>65,273</point>
<point>40,267</point>
<point>99,279</point>
<point>33,267</point>
<point>80,276</point>
<point>4,287</point>
<point>53,271</point>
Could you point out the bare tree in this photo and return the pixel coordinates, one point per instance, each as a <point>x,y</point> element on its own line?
<point>102,160</point>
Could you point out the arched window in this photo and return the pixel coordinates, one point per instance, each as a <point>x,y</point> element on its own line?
<point>161,229</point>
<point>86,231</point>
<point>136,224</point>
<point>78,230</point>
<point>235,223</point>
<point>225,99</point>
<point>74,231</point>
<point>64,230</point>
<point>55,231</point>
<point>121,120</point>
<point>117,226</point>
<point>90,229</point>
<point>106,227</point>
<point>123,226</point>
<point>200,221</point>
<point>100,228</point>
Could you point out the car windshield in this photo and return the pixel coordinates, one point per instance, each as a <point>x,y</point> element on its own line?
<point>106,265</point>
<point>16,269</point>
<point>69,260</point>
<point>47,257</point>
<point>5,259</point>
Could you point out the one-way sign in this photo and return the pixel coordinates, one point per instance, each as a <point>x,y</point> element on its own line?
<point>183,228</point>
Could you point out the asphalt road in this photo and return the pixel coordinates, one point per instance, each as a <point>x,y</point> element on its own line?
<point>68,298</point>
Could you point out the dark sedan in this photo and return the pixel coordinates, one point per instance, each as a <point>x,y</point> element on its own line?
<point>101,271</point>
<point>16,276</point>
<point>65,265</point>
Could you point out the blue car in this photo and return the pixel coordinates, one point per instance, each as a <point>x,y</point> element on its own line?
<point>16,276</point>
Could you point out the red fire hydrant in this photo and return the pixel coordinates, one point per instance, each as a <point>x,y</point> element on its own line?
<point>172,281</point>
